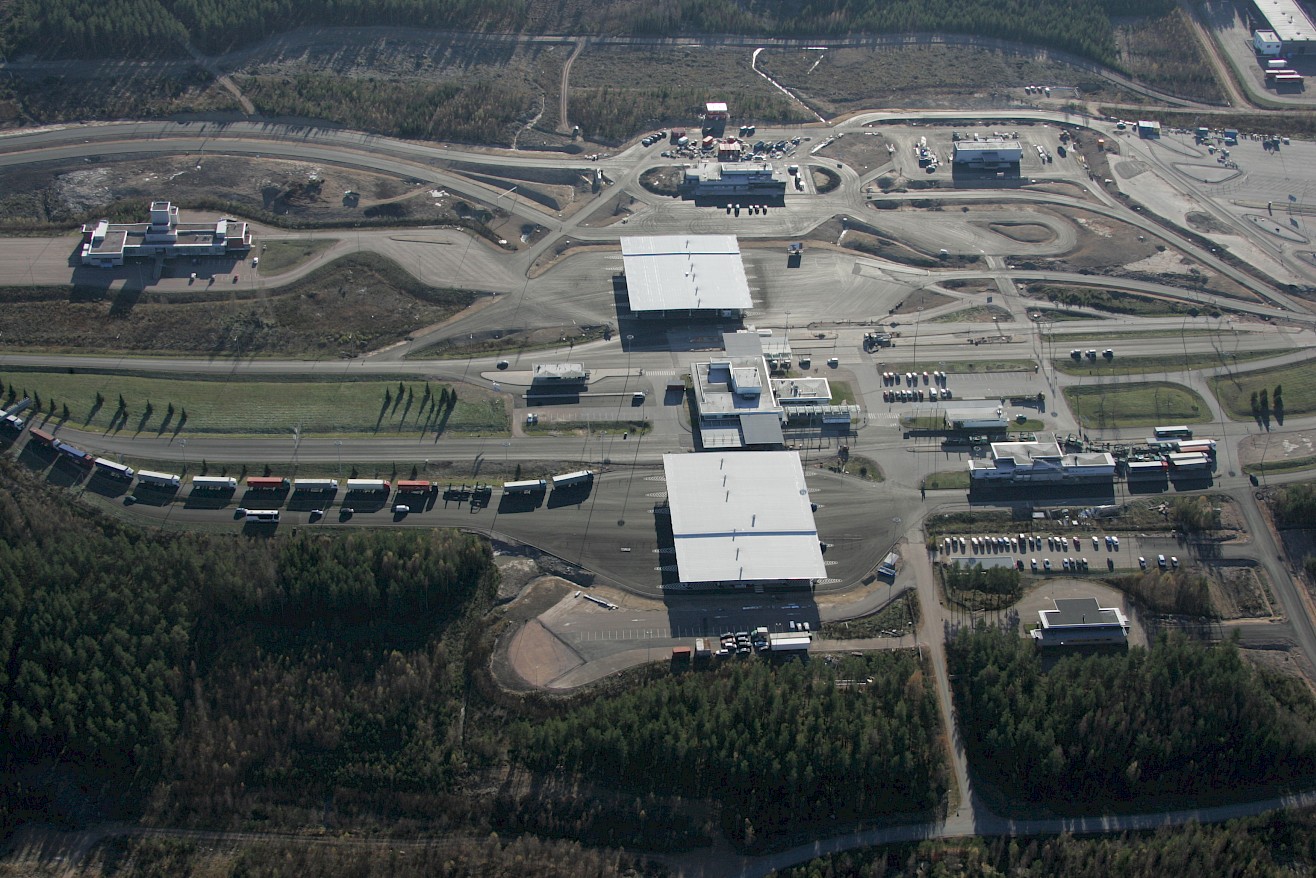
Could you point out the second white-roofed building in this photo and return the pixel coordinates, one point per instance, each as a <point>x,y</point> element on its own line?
<point>742,519</point>
<point>671,276</point>
<point>1040,461</point>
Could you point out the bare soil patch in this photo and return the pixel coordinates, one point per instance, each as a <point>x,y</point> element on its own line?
<point>1102,243</point>
<point>864,151</point>
<point>348,307</point>
<point>285,193</point>
<point>1240,593</point>
<point>538,656</point>
<point>1200,221</point>
<point>619,208</point>
<point>921,299</point>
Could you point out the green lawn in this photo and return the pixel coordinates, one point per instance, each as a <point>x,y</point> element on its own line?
<point>1178,362</point>
<point>960,367</point>
<point>276,257</point>
<point>1143,404</point>
<point>949,480</point>
<point>1297,379</point>
<point>842,392</point>
<point>256,407</point>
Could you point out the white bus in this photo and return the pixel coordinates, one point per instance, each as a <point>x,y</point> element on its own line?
<point>213,483</point>
<point>270,515</point>
<point>110,468</point>
<point>159,480</point>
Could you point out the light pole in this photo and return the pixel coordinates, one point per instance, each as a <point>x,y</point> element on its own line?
<point>918,317</point>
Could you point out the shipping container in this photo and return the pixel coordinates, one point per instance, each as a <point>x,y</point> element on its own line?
<point>41,437</point>
<point>411,486</point>
<point>525,487</point>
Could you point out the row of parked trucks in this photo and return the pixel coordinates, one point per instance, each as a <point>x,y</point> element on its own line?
<point>219,484</point>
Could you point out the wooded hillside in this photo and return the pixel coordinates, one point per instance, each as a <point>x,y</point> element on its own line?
<point>154,28</point>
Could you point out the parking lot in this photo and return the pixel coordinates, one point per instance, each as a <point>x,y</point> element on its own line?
<point>1077,551</point>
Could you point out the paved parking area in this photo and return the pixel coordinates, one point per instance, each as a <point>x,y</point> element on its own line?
<point>1061,549</point>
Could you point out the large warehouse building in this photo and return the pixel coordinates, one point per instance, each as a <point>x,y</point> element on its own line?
<point>107,245</point>
<point>685,276</point>
<point>742,520</point>
<point>1290,24</point>
<point>988,154</point>
<point>1040,462</point>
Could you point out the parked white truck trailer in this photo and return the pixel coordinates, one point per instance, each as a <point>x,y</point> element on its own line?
<point>793,642</point>
<point>159,480</point>
<point>368,486</point>
<point>315,485</point>
<point>568,480</point>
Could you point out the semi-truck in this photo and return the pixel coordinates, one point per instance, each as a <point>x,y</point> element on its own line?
<point>570,480</point>
<point>159,480</point>
<point>115,470</point>
<point>793,642</point>
<point>414,486</point>
<point>266,483</point>
<point>315,485</point>
<point>529,486</point>
<point>214,483</point>
<point>368,486</point>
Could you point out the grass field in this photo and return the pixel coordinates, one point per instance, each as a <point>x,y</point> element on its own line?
<point>347,307</point>
<point>1143,404</point>
<point>961,367</point>
<point>1115,301</point>
<point>256,407</point>
<point>611,428</point>
<point>949,480</point>
<point>1289,465</point>
<point>1160,363</point>
<point>1298,380</point>
<point>1112,337</point>
<point>277,257</point>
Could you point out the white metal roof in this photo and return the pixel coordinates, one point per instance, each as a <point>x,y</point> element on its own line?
<point>742,516</point>
<point>1288,20</point>
<point>678,272</point>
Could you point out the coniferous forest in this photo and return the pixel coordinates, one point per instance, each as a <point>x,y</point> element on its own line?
<point>340,680</point>
<point>1180,719</point>
<point>160,28</point>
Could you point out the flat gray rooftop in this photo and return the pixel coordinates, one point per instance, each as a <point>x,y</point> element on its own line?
<point>685,273</point>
